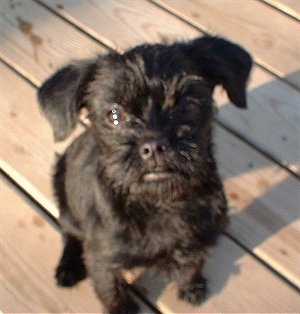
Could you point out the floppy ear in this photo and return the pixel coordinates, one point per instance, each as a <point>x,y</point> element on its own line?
<point>222,62</point>
<point>61,96</point>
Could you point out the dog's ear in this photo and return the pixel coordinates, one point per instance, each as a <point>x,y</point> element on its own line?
<point>222,62</point>
<point>61,96</point>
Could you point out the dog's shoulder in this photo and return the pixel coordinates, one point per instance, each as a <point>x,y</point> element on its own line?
<point>82,149</point>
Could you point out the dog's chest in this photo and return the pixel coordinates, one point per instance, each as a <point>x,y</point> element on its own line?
<point>159,236</point>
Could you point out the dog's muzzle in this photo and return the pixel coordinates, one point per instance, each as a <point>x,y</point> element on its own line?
<point>154,150</point>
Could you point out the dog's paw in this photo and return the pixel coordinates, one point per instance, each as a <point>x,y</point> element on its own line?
<point>69,275</point>
<point>127,306</point>
<point>194,292</point>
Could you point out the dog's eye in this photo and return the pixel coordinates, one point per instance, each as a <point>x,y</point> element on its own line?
<point>187,106</point>
<point>116,116</point>
<point>181,109</point>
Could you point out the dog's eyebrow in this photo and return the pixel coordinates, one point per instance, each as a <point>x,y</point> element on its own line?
<point>177,86</point>
<point>189,79</point>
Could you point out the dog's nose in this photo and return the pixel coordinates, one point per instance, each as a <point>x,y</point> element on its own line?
<point>156,146</point>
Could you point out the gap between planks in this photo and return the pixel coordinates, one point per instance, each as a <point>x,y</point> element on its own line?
<point>289,7</point>
<point>95,36</point>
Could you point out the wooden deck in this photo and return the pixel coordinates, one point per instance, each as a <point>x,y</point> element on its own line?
<point>255,268</point>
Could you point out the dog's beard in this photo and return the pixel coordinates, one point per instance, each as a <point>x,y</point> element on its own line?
<point>174,188</point>
<point>180,176</point>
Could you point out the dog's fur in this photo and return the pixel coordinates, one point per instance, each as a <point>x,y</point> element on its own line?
<point>140,187</point>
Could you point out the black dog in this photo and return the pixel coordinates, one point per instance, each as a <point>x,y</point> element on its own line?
<point>140,187</point>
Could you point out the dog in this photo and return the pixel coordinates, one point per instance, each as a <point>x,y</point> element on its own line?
<point>140,186</point>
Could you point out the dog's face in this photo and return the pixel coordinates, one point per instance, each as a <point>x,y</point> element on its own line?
<point>151,110</point>
<point>153,133</point>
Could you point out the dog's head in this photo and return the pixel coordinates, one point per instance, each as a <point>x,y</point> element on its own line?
<point>151,108</point>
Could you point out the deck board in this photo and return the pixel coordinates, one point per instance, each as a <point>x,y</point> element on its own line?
<point>263,215</point>
<point>30,249</point>
<point>272,37</point>
<point>274,111</point>
<point>37,58</point>
<point>104,19</point>
<point>28,139</point>
<point>243,286</point>
<point>25,132</point>
<point>263,196</point>
<point>274,105</point>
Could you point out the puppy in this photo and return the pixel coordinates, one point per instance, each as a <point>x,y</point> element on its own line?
<point>140,186</point>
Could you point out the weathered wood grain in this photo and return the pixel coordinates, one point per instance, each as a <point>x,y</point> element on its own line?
<point>264,205</point>
<point>122,24</point>
<point>27,151</point>
<point>36,43</point>
<point>241,285</point>
<point>272,120</point>
<point>27,144</point>
<point>30,249</point>
<point>272,37</point>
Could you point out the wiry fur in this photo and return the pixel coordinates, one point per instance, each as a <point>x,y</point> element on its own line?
<point>140,187</point>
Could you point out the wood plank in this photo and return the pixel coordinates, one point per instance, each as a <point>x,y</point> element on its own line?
<point>290,7</point>
<point>105,18</point>
<point>252,182</point>
<point>31,248</point>
<point>259,194</point>
<point>28,139</point>
<point>29,147</point>
<point>36,43</point>
<point>272,37</point>
<point>237,283</point>
<point>30,189</point>
<point>271,121</point>
<point>274,105</point>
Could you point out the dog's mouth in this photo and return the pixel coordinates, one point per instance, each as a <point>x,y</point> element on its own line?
<point>157,175</point>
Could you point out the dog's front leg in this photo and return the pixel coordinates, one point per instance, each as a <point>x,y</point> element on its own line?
<point>71,268</point>
<point>109,286</point>
<point>187,273</point>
